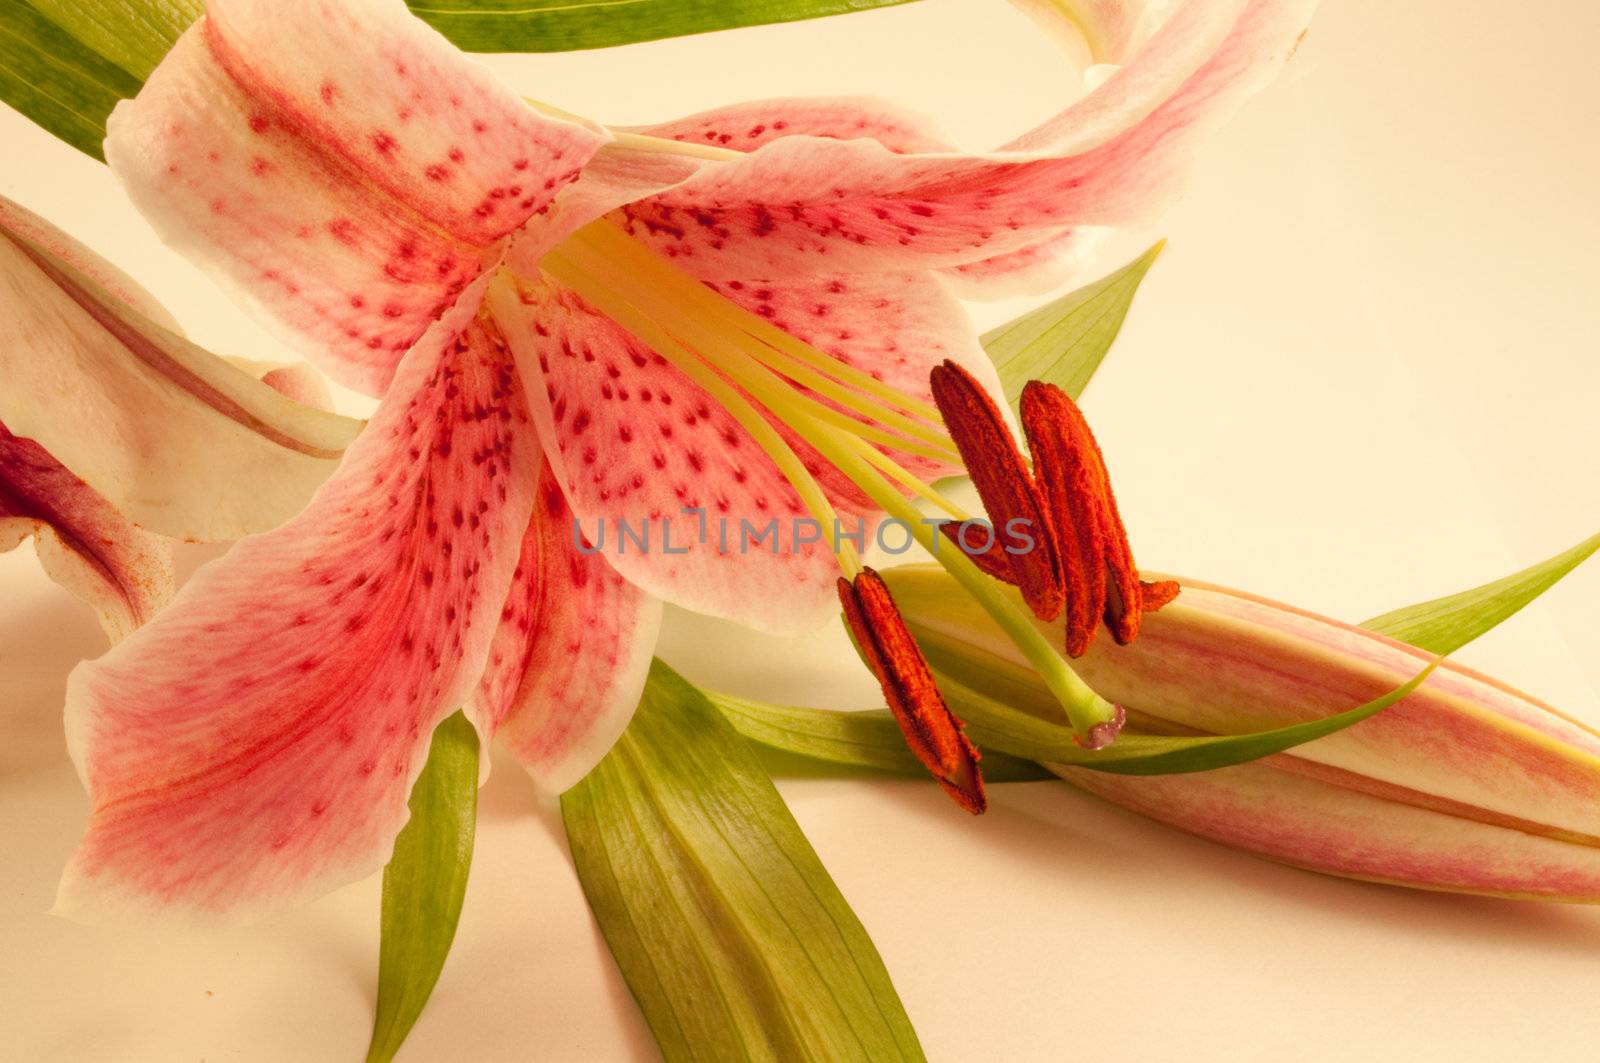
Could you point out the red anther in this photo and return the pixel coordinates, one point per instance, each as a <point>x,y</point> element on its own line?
<point>931,730</point>
<point>1153,596</point>
<point>993,559</point>
<point>1071,482</point>
<point>1004,484</point>
<point>1101,580</point>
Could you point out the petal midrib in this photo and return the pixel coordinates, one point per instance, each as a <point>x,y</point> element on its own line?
<point>152,356</point>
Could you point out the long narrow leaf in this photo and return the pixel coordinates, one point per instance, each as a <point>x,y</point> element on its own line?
<point>56,80</point>
<point>732,937</point>
<point>569,25</point>
<point>1012,738</point>
<point>854,739</point>
<point>998,726</point>
<point>1064,342</point>
<point>425,883</point>
<point>1444,625</point>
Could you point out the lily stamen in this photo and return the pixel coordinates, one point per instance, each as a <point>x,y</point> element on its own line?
<point>1097,562</point>
<point>1004,484</point>
<point>931,730</point>
<point>727,350</point>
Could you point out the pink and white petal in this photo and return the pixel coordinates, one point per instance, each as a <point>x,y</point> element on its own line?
<point>747,126</point>
<point>178,440</point>
<point>83,543</point>
<point>25,227</point>
<point>255,745</point>
<point>570,658</point>
<point>299,381</point>
<point>629,169</point>
<point>1065,257</point>
<point>812,205</point>
<point>632,440</point>
<point>349,186</point>
<point>1318,825</point>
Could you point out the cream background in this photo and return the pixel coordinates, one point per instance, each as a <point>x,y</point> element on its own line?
<point>1362,374</point>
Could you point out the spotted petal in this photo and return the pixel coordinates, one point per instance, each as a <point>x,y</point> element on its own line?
<point>634,441</point>
<point>175,438</point>
<point>255,745</point>
<point>83,543</point>
<point>804,204</point>
<point>569,660</point>
<point>349,183</point>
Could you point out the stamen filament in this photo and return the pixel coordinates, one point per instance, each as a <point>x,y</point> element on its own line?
<point>1087,711</point>
<point>892,469</point>
<point>758,378</point>
<point>597,293</point>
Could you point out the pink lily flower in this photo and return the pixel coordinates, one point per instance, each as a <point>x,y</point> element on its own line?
<point>1464,785</point>
<point>117,436</point>
<point>563,321</point>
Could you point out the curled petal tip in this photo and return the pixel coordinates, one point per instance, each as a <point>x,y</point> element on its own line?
<point>1102,735</point>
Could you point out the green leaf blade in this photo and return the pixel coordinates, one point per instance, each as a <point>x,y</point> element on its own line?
<point>1000,726</point>
<point>565,25</point>
<point>56,80</point>
<point>870,740</point>
<point>425,884</point>
<point>1064,341</point>
<point>727,928</point>
<point>1444,625</point>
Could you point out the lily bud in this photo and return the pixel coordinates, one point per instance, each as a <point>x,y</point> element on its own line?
<point>1464,785</point>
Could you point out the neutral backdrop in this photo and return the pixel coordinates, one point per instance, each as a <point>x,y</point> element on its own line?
<point>1363,374</point>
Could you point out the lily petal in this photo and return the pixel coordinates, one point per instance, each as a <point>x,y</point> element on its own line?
<point>347,185</point>
<point>810,205</point>
<point>633,440</point>
<point>175,438</point>
<point>83,543</point>
<point>750,125</point>
<point>256,743</point>
<point>572,652</point>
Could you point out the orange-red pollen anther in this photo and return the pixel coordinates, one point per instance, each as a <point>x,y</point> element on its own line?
<point>1004,484</point>
<point>931,730</point>
<point>1102,582</point>
<point>988,554</point>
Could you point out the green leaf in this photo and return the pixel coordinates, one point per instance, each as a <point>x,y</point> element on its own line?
<point>1014,740</point>
<point>854,739</point>
<point>132,34</point>
<point>732,937</point>
<point>56,80</point>
<point>999,726</point>
<point>424,884</point>
<point>1064,341</point>
<point>568,25</point>
<point>68,62</point>
<point>1444,625</point>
